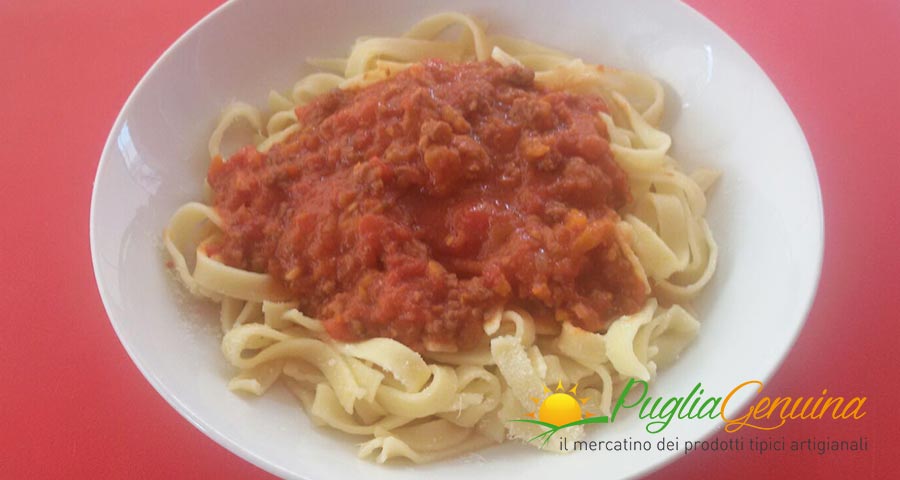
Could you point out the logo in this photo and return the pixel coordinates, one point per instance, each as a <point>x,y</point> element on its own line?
<point>559,410</point>
<point>562,409</point>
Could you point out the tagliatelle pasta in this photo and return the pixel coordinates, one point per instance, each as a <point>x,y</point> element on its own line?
<point>436,403</point>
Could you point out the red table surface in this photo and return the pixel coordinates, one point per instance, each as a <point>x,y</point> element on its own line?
<point>72,404</point>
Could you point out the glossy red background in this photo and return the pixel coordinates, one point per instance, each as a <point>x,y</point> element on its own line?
<point>72,405</point>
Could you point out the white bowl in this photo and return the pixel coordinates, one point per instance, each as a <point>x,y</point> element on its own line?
<point>723,112</point>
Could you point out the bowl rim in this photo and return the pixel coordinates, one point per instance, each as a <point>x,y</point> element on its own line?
<point>808,295</point>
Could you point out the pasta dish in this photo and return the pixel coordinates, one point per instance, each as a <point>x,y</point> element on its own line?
<point>426,233</point>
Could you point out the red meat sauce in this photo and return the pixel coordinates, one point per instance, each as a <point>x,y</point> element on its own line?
<point>412,207</point>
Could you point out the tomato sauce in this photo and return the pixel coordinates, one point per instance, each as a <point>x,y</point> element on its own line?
<point>412,207</point>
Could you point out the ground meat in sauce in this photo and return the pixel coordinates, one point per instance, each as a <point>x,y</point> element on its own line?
<point>412,207</point>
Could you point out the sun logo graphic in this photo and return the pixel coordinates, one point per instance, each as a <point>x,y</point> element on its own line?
<point>559,410</point>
